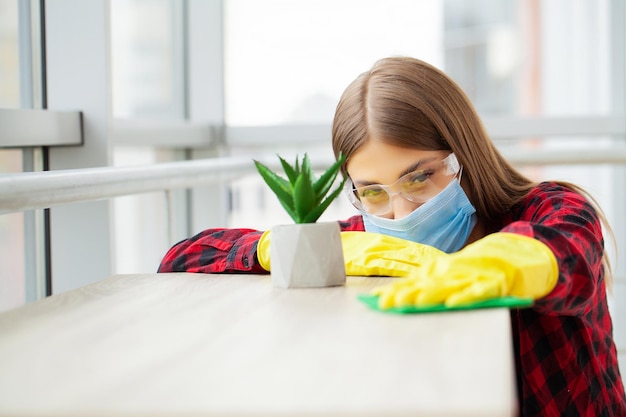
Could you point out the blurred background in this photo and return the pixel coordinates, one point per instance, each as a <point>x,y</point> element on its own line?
<point>160,81</point>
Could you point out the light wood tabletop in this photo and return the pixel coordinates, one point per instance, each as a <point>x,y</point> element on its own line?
<point>195,345</point>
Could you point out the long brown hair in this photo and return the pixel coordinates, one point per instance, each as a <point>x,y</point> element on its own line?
<point>407,102</point>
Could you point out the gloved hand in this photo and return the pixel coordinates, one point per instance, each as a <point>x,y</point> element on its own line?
<point>369,254</point>
<point>375,254</point>
<point>498,265</point>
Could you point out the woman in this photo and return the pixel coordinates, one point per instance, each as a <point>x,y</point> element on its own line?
<point>422,168</point>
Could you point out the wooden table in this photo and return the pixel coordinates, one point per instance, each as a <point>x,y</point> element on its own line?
<point>195,345</point>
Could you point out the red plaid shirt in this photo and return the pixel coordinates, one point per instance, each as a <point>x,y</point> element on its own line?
<point>566,359</point>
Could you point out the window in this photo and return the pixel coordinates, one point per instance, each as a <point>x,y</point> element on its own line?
<point>12,224</point>
<point>288,62</point>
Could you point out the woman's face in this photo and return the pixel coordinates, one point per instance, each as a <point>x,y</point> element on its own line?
<point>381,163</point>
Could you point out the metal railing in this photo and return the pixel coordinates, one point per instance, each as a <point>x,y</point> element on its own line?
<point>36,190</point>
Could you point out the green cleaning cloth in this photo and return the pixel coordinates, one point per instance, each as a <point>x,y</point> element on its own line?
<point>508,302</point>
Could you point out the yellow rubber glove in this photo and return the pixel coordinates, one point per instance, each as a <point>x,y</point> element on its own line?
<point>369,254</point>
<point>263,250</point>
<point>375,254</point>
<point>498,265</point>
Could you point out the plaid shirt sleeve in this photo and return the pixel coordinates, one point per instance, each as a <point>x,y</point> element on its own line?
<point>565,354</point>
<point>231,251</point>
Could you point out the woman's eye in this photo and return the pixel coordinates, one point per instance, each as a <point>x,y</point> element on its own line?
<point>370,193</point>
<point>420,176</point>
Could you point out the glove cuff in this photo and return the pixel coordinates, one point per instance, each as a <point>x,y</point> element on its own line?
<point>538,269</point>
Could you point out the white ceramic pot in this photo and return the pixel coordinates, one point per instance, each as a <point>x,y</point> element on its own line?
<point>307,255</point>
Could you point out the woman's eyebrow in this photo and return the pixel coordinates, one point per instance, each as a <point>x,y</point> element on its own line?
<point>415,166</point>
<point>407,170</point>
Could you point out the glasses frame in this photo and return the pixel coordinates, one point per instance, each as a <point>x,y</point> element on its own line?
<point>452,168</point>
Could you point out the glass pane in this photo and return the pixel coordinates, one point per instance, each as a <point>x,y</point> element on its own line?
<point>288,61</point>
<point>148,84</point>
<point>140,232</point>
<point>9,55</point>
<point>147,56</point>
<point>12,274</point>
<point>530,58</point>
<point>140,221</point>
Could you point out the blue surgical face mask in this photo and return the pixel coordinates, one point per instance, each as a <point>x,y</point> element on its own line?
<point>445,221</point>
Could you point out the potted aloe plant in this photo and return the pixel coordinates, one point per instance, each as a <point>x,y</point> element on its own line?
<point>307,253</point>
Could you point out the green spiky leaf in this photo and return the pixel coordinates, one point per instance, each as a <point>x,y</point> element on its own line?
<point>325,182</point>
<point>315,214</point>
<point>291,172</point>
<point>278,185</point>
<point>304,197</point>
<point>306,172</point>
